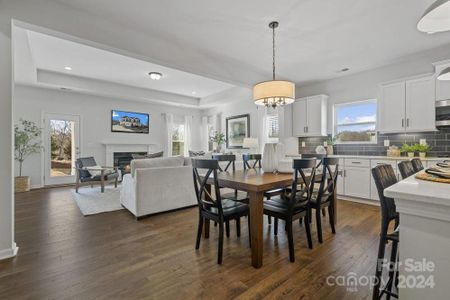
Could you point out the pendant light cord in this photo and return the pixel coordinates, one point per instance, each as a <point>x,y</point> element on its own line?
<point>273,52</point>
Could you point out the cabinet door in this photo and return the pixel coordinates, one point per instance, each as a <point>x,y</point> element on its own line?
<point>392,108</point>
<point>420,104</point>
<point>299,117</point>
<point>316,115</point>
<point>357,182</point>
<point>341,178</point>
<point>442,86</point>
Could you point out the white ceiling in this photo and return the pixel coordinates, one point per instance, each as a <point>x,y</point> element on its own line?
<point>53,54</point>
<point>315,38</point>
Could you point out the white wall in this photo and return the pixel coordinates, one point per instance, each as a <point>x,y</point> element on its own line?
<point>95,113</point>
<point>7,245</point>
<point>365,85</point>
<point>242,103</point>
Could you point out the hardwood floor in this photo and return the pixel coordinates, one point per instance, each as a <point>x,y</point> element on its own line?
<point>65,255</point>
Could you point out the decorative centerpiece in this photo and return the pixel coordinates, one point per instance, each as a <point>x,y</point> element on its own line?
<point>218,140</point>
<point>269,159</point>
<point>27,140</point>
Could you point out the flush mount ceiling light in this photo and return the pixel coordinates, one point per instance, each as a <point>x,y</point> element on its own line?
<point>274,93</point>
<point>436,18</point>
<point>67,68</point>
<point>155,75</point>
<point>445,74</point>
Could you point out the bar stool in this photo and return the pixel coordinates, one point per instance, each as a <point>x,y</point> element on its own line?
<point>406,169</point>
<point>384,177</point>
<point>417,164</point>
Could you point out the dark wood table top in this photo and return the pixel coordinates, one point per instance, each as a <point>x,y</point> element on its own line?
<point>254,180</point>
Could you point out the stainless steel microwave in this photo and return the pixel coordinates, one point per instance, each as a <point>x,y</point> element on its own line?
<point>443,113</point>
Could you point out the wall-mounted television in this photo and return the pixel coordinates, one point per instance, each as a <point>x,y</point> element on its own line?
<point>129,122</point>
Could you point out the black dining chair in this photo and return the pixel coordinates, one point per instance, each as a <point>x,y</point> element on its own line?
<point>211,205</point>
<point>253,161</point>
<point>294,204</point>
<point>406,168</point>
<point>324,196</point>
<point>417,164</point>
<point>384,176</point>
<point>319,158</point>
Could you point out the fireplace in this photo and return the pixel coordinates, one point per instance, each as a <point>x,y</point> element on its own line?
<point>123,159</point>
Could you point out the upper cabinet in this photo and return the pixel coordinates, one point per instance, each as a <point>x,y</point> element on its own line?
<point>309,116</point>
<point>442,86</point>
<point>407,105</point>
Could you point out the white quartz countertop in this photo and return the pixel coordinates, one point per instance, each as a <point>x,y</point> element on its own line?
<point>379,157</point>
<point>420,191</point>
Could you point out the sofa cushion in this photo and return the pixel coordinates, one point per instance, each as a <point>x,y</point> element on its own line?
<point>177,161</point>
<point>148,155</point>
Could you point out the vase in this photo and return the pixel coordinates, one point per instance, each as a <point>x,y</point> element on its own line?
<point>422,154</point>
<point>269,159</point>
<point>410,154</point>
<point>21,184</point>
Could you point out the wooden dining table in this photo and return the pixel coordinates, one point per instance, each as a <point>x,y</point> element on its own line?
<point>255,182</point>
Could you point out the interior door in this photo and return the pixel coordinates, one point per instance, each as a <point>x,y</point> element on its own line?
<point>62,148</point>
<point>392,108</point>
<point>420,104</point>
<point>299,117</point>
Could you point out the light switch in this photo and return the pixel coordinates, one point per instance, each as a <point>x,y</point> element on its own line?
<point>423,141</point>
<point>303,144</point>
<point>387,143</point>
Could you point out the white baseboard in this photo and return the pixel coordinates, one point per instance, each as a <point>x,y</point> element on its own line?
<point>8,253</point>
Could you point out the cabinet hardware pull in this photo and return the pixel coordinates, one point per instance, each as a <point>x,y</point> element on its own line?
<point>356,162</point>
<point>403,122</point>
<point>407,122</point>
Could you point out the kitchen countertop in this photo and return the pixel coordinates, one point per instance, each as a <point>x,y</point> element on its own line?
<point>378,157</point>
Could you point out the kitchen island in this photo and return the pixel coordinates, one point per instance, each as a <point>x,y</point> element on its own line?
<point>424,209</point>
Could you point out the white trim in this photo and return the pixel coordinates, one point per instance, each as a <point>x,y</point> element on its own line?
<point>8,253</point>
<point>359,200</point>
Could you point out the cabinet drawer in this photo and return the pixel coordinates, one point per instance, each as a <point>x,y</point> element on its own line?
<point>357,162</point>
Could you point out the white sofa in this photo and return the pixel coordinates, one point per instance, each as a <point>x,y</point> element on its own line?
<point>157,185</point>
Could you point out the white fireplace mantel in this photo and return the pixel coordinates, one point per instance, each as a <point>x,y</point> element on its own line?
<point>112,147</point>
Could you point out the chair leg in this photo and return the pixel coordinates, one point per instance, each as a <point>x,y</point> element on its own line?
<point>379,267</point>
<point>319,225</point>
<point>308,232</point>
<point>331,218</point>
<point>290,240</point>
<point>269,219</point>
<point>215,224</point>
<point>206,228</point>
<point>391,271</point>
<point>249,232</point>
<point>300,221</point>
<point>227,228</point>
<point>275,226</point>
<point>220,250</point>
<point>238,227</point>
<point>199,231</point>
<point>324,213</point>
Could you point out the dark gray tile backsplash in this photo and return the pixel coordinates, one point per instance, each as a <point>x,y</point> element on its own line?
<point>439,141</point>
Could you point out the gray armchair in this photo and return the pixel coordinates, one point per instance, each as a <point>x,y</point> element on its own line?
<point>84,177</point>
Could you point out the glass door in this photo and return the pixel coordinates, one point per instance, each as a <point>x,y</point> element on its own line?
<point>62,148</point>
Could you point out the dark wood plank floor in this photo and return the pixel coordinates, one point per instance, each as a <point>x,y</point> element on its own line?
<point>65,255</point>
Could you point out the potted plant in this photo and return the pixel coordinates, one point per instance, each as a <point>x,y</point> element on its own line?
<point>330,145</point>
<point>26,142</point>
<point>218,140</point>
<point>409,149</point>
<point>423,149</point>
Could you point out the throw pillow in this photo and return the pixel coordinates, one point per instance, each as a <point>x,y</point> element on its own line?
<point>196,153</point>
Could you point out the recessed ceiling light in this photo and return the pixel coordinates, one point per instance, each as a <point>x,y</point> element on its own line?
<point>345,70</point>
<point>155,75</point>
<point>67,68</point>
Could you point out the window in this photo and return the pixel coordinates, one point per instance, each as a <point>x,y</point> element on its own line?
<point>355,122</point>
<point>178,140</point>
<point>272,128</point>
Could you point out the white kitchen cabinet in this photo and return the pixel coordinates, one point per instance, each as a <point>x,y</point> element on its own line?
<point>309,116</point>
<point>299,116</point>
<point>391,108</point>
<point>357,182</point>
<point>442,86</point>
<point>340,179</point>
<point>407,105</point>
<point>420,104</point>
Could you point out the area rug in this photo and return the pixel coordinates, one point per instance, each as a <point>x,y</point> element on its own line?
<point>91,201</point>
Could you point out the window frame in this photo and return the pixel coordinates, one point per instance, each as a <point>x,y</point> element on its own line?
<point>335,125</point>
<point>177,124</point>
